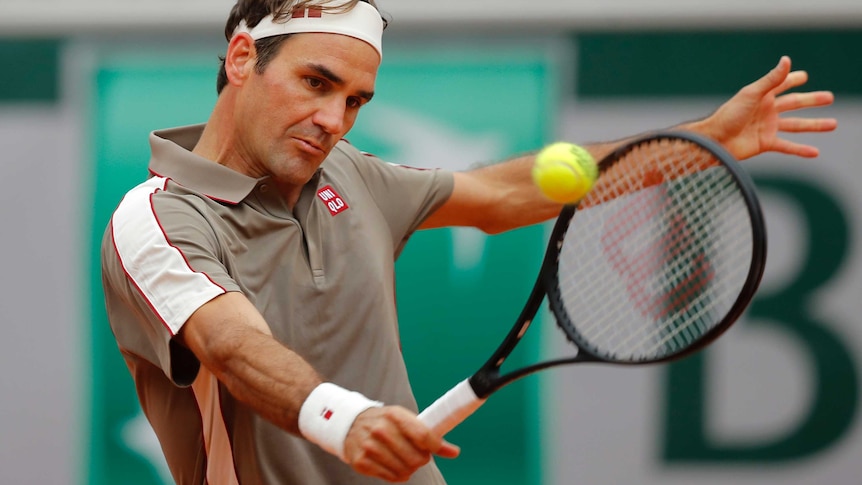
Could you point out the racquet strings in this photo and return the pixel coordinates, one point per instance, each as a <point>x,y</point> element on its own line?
<point>656,255</point>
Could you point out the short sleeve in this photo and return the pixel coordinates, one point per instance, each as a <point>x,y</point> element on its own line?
<point>160,263</point>
<point>405,195</point>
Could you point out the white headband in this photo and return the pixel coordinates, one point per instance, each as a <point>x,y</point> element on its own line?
<point>362,22</point>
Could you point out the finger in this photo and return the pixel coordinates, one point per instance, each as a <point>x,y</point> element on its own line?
<point>388,458</point>
<point>425,440</point>
<point>814,99</point>
<point>807,125</point>
<point>403,453</point>
<point>793,80</point>
<point>796,149</point>
<point>397,464</point>
<point>773,79</point>
<point>376,442</point>
<point>448,450</point>
<point>392,446</point>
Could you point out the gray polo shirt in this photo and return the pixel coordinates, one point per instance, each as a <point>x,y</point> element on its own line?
<point>321,274</point>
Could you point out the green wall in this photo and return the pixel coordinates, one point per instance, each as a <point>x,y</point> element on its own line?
<point>32,70</point>
<point>680,64</point>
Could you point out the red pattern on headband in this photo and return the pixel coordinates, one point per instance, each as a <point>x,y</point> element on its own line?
<point>311,13</point>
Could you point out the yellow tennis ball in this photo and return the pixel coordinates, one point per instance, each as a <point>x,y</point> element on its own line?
<point>564,172</point>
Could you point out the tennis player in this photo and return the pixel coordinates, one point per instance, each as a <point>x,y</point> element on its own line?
<point>249,280</point>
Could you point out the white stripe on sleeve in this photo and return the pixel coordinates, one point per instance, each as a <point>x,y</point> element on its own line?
<point>159,270</point>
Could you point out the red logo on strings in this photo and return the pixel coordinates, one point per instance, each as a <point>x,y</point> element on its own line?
<point>638,267</point>
<point>327,413</point>
<point>333,201</point>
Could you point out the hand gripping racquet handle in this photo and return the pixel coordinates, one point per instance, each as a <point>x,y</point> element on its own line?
<point>451,408</point>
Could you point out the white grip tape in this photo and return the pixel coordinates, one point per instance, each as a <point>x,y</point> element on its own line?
<point>451,408</point>
<point>328,413</point>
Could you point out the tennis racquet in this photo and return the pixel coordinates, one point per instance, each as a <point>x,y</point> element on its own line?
<point>658,260</point>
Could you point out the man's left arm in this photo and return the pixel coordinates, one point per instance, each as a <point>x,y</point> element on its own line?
<point>500,197</point>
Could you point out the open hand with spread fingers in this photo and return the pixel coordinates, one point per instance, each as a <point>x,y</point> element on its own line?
<point>751,122</point>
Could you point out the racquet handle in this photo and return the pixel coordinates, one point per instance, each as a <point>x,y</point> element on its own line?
<point>451,408</point>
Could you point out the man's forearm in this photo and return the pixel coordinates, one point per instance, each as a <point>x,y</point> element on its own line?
<point>228,339</point>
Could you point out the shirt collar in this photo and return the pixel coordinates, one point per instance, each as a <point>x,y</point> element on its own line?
<point>172,157</point>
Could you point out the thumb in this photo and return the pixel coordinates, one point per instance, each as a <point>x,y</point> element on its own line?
<point>448,450</point>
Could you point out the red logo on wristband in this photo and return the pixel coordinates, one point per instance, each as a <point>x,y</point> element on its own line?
<point>327,413</point>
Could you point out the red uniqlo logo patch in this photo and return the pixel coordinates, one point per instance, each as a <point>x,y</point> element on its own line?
<point>327,413</point>
<point>333,201</point>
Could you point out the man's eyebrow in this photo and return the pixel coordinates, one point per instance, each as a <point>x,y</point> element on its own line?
<point>336,79</point>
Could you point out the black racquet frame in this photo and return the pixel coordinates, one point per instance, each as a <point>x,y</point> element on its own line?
<point>489,378</point>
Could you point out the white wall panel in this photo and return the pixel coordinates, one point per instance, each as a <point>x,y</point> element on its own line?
<point>26,17</point>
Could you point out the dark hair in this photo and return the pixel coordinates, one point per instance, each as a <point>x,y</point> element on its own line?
<point>253,11</point>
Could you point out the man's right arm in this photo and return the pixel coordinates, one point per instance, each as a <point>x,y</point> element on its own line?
<point>231,339</point>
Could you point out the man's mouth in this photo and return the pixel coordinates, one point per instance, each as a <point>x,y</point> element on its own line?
<point>311,145</point>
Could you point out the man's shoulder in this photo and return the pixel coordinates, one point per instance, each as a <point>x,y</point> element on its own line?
<point>158,196</point>
<point>346,149</point>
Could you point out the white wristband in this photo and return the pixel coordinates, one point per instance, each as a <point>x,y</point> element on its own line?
<point>328,413</point>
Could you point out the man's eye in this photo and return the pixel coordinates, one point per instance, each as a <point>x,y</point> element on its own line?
<point>314,82</point>
<point>354,102</point>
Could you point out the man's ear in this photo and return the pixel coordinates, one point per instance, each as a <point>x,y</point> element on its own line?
<point>240,58</point>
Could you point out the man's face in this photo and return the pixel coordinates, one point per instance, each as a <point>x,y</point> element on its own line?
<point>289,117</point>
